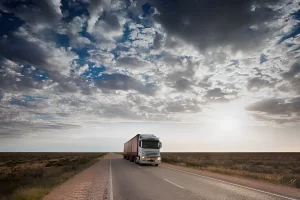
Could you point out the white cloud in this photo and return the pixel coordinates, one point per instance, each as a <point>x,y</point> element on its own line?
<point>95,8</point>
<point>154,75</point>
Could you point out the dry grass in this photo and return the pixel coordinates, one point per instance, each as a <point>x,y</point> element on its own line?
<point>30,176</point>
<point>280,168</point>
<point>30,193</point>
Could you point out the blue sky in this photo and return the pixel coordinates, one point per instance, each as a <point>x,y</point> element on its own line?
<point>78,73</point>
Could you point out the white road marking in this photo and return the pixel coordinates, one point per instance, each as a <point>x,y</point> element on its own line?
<point>111,196</point>
<point>257,190</point>
<point>173,183</point>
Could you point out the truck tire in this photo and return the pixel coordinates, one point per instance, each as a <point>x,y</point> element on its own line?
<point>131,159</point>
<point>156,165</point>
<point>136,160</point>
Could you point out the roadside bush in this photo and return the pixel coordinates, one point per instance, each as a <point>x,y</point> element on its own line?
<point>296,171</point>
<point>297,183</point>
<point>228,163</point>
<point>193,165</point>
<point>170,160</point>
<point>70,168</point>
<point>288,179</point>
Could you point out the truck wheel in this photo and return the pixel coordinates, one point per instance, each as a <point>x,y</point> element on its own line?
<point>156,165</point>
<point>136,160</point>
<point>131,159</point>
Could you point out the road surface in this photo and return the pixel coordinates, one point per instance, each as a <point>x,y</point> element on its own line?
<point>129,181</point>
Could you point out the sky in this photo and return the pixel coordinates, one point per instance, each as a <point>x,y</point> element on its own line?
<point>87,75</point>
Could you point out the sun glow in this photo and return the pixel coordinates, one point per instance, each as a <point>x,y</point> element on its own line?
<point>229,123</point>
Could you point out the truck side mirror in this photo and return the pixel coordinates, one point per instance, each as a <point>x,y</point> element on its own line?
<point>160,145</point>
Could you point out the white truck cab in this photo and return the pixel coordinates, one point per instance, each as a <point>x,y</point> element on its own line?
<point>148,149</point>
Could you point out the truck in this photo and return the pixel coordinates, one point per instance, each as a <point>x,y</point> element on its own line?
<point>143,149</point>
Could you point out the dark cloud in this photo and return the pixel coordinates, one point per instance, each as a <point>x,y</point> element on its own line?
<point>111,21</point>
<point>17,48</point>
<point>184,79</point>
<point>292,76</point>
<point>182,85</point>
<point>163,107</point>
<point>131,62</point>
<point>257,83</point>
<point>66,83</point>
<point>48,12</point>
<point>276,106</point>
<point>204,84</point>
<point>158,40</point>
<point>123,82</point>
<point>95,9</point>
<point>18,78</point>
<point>292,72</point>
<point>216,94</point>
<point>23,48</point>
<point>107,27</point>
<point>174,107</point>
<point>21,128</point>
<point>214,23</point>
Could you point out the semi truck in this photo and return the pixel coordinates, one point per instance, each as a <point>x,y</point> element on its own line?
<point>143,149</point>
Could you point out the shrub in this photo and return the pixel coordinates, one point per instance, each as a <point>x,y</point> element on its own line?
<point>297,183</point>
<point>296,171</point>
<point>288,179</point>
<point>29,193</point>
<point>170,160</point>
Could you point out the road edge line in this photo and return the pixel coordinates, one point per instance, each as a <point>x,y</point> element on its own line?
<point>207,177</point>
<point>111,197</point>
<point>174,183</point>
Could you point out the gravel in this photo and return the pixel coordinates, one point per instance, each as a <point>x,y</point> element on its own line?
<point>90,184</point>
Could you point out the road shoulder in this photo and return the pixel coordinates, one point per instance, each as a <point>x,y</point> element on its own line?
<point>90,184</point>
<point>255,184</point>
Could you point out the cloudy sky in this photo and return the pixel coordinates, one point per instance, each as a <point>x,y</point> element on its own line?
<point>86,75</point>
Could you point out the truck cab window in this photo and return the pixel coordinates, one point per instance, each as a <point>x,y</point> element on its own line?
<point>150,144</point>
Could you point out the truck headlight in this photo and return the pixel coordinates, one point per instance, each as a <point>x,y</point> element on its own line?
<point>143,157</point>
<point>158,158</point>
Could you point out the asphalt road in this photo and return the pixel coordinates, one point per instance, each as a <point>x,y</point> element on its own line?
<point>134,182</point>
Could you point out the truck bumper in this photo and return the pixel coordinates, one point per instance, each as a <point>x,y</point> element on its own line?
<point>150,162</point>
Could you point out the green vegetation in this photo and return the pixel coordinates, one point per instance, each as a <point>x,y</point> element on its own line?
<point>30,176</point>
<point>280,168</point>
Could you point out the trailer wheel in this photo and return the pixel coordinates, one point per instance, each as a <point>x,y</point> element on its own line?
<point>156,165</point>
<point>131,159</point>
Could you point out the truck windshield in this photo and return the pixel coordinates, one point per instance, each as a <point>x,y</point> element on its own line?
<point>150,144</point>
